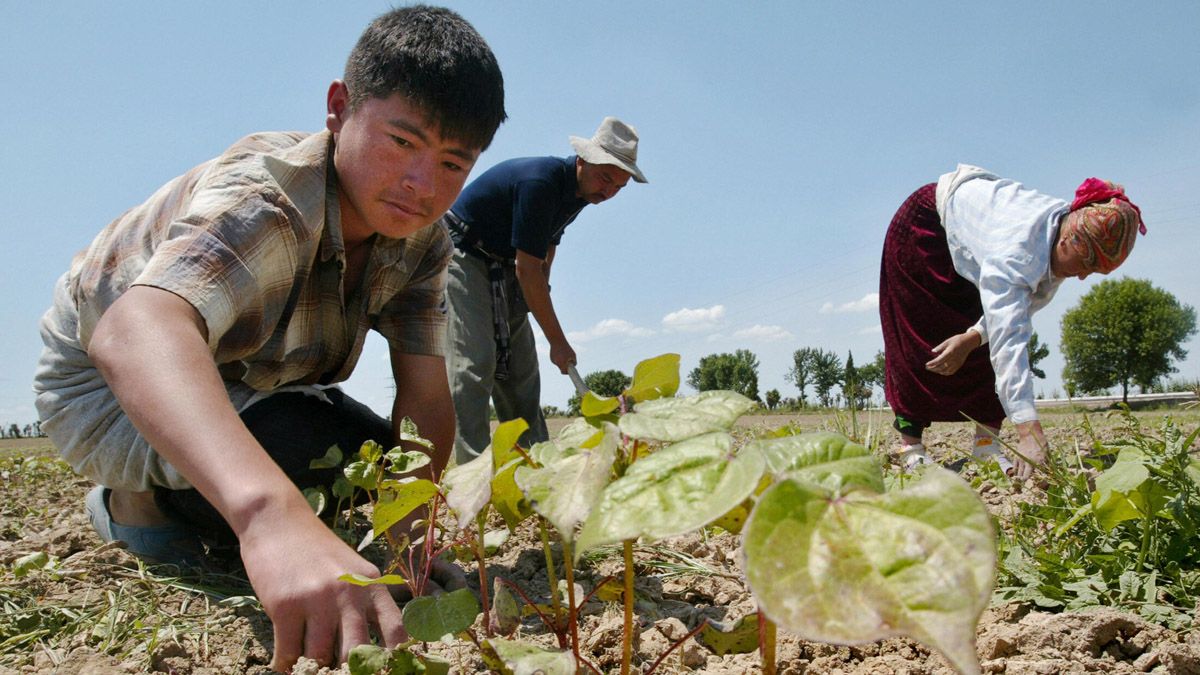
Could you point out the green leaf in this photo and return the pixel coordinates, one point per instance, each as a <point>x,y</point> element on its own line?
<point>740,638</point>
<point>597,406</point>
<point>579,434</point>
<point>430,618</point>
<point>368,659</point>
<point>1118,497</point>
<point>405,461</point>
<point>468,487</point>
<point>518,658</point>
<point>507,498</point>
<point>331,460</point>
<point>372,659</point>
<point>29,563</point>
<point>505,439</point>
<point>735,519</point>
<point>494,539</point>
<point>409,433</point>
<point>861,567</point>
<point>408,496</point>
<point>370,452</point>
<point>676,419</point>
<point>360,580</point>
<point>363,474</point>
<point>505,612</point>
<point>654,378</point>
<point>678,489</point>
<point>342,489</point>
<point>821,457</point>
<point>431,665</point>
<point>316,498</point>
<point>564,491</point>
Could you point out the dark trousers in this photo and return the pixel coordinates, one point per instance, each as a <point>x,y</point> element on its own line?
<point>295,429</point>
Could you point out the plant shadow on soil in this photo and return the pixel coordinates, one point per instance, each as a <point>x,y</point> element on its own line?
<point>93,609</point>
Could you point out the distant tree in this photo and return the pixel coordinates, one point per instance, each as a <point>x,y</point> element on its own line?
<point>872,375</point>
<point>549,411</point>
<point>736,372</point>
<point>601,383</point>
<point>1037,352</point>
<point>1124,332</point>
<point>772,398</point>
<point>801,371</point>
<point>856,383</point>
<point>14,431</point>
<point>827,373</point>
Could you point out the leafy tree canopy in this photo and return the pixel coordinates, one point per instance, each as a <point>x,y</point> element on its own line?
<point>735,372</point>
<point>1124,332</point>
<point>801,371</point>
<point>773,397</point>
<point>827,373</point>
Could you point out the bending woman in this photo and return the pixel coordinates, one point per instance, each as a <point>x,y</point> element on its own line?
<point>966,263</point>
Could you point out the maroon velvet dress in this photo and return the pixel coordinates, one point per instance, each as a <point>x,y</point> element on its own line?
<point>923,301</point>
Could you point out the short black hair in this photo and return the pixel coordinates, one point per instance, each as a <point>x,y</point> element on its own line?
<point>437,60</point>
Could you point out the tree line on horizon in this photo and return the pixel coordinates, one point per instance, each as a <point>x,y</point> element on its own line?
<point>1122,333</point>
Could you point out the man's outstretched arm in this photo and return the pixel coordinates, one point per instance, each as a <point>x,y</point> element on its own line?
<point>151,346</point>
<point>533,274</point>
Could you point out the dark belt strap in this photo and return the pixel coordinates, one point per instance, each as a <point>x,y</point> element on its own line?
<point>467,240</point>
<point>496,278</point>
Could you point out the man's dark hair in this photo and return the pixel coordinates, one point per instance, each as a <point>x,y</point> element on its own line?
<point>437,60</point>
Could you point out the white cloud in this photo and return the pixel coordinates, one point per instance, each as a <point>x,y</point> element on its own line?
<point>706,318</point>
<point>866,303</point>
<point>877,329</point>
<point>763,333</point>
<point>609,327</point>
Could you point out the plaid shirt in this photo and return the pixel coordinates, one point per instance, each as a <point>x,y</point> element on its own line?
<point>1000,235</point>
<point>252,239</point>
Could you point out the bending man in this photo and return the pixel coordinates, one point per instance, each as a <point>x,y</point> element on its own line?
<point>506,226</point>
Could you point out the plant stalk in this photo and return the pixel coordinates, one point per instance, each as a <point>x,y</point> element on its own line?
<point>480,523</point>
<point>1147,528</point>
<point>569,568</point>
<point>551,575</point>
<point>766,643</point>
<point>627,645</point>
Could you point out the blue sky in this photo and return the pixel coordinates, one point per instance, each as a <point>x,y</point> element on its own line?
<point>778,137</point>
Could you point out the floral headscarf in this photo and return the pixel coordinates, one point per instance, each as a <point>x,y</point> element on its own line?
<point>1107,224</point>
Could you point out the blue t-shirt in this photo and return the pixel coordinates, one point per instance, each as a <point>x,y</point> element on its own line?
<point>522,203</point>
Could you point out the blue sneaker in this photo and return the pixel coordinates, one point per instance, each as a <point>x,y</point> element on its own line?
<point>173,544</point>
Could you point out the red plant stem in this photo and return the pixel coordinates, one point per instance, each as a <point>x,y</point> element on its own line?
<point>572,614</point>
<point>596,590</point>
<point>766,643</point>
<point>627,643</point>
<point>483,585</point>
<point>675,646</point>
<point>550,624</point>
<point>528,459</point>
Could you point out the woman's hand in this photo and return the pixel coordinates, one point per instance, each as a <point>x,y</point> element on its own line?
<point>952,352</point>
<point>1031,449</point>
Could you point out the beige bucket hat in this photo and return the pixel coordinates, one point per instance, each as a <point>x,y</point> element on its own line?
<point>613,143</point>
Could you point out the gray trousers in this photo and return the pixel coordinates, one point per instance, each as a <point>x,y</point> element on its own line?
<point>471,360</point>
